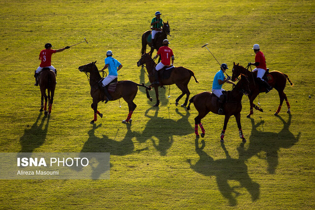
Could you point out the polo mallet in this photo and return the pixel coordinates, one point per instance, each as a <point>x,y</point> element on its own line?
<point>205,45</point>
<point>79,43</point>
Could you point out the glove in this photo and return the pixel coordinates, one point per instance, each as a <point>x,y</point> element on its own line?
<point>228,78</point>
<point>249,64</point>
<point>67,47</point>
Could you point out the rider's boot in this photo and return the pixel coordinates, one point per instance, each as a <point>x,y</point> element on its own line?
<point>221,102</point>
<point>156,76</point>
<point>36,78</point>
<point>108,96</point>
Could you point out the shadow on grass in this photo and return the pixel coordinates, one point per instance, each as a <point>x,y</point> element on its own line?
<point>225,170</point>
<point>95,144</point>
<point>161,131</point>
<point>35,136</point>
<point>268,142</point>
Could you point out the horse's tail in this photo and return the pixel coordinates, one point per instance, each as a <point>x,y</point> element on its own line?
<point>142,85</point>
<point>191,100</point>
<point>192,74</point>
<point>288,79</point>
<point>146,90</point>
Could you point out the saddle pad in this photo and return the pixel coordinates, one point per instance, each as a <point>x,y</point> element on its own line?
<point>149,38</point>
<point>112,87</point>
<point>167,72</point>
<point>269,78</point>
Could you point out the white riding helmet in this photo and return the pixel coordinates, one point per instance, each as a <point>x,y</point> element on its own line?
<point>109,53</point>
<point>166,41</point>
<point>256,47</point>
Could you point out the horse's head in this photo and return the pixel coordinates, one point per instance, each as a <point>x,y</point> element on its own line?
<point>237,71</point>
<point>166,28</point>
<point>144,59</point>
<point>88,67</point>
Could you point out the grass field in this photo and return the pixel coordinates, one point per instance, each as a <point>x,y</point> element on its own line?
<point>157,162</point>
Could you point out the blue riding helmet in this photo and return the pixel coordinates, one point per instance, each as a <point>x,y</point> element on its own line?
<point>157,13</point>
<point>224,66</point>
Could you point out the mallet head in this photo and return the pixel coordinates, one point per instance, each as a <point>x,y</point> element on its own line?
<point>205,45</point>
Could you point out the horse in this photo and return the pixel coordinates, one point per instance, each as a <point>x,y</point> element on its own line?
<point>146,38</point>
<point>47,81</point>
<point>125,89</point>
<point>206,101</point>
<point>179,76</point>
<point>276,79</point>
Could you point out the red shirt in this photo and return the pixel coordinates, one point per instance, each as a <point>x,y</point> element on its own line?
<point>259,57</point>
<point>45,57</point>
<point>166,53</point>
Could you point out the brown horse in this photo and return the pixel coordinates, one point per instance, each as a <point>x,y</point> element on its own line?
<point>146,38</point>
<point>276,79</point>
<point>179,76</point>
<point>47,81</point>
<point>206,102</point>
<point>125,89</point>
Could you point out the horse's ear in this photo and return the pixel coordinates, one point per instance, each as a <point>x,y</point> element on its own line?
<point>238,64</point>
<point>233,63</point>
<point>167,22</point>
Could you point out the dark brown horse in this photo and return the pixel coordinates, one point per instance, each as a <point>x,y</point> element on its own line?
<point>179,76</point>
<point>125,89</point>
<point>206,102</point>
<point>146,38</point>
<point>276,79</point>
<point>47,81</point>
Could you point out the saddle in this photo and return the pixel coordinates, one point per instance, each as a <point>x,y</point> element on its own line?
<point>267,77</point>
<point>227,98</point>
<point>111,87</point>
<point>166,72</point>
<point>48,69</point>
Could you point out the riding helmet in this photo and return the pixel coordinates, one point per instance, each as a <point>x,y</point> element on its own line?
<point>157,13</point>
<point>224,66</point>
<point>109,53</point>
<point>256,47</point>
<point>165,41</point>
<point>48,45</point>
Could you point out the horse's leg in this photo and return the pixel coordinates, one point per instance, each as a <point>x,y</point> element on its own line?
<point>201,114</point>
<point>282,96</point>
<point>45,106</point>
<point>41,102</point>
<point>226,120</point>
<point>94,107</point>
<point>251,102</point>
<point>51,100</point>
<point>238,121</point>
<point>287,102</point>
<point>97,112</point>
<point>132,106</point>
<point>184,90</point>
<point>157,95</point>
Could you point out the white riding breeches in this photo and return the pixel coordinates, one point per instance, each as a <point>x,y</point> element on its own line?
<point>217,92</point>
<point>154,32</point>
<point>39,69</point>
<point>108,79</point>
<point>159,66</point>
<point>260,73</point>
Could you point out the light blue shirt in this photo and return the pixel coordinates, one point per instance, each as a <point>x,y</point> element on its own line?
<point>218,76</point>
<point>113,64</point>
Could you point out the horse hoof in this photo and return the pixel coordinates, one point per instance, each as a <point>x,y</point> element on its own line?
<point>183,105</point>
<point>130,121</point>
<point>92,122</point>
<point>150,99</point>
<point>248,116</point>
<point>197,136</point>
<point>46,113</point>
<point>276,114</point>
<point>41,110</point>
<point>244,140</point>
<point>124,121</point>
<point>222,140</point>
<point>101,115</point>
<point>203,135</point>
<point>176,103</point>
<point>156,105</point>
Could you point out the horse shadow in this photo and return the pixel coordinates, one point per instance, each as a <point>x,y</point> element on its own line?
<point>162,91</point>
<point>96,144</point>
<point>225,170</point>
<point>35,136</point>
<point>268,142</point>
<point>161,131</point>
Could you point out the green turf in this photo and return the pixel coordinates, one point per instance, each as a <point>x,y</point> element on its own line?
<point>155,163</point>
